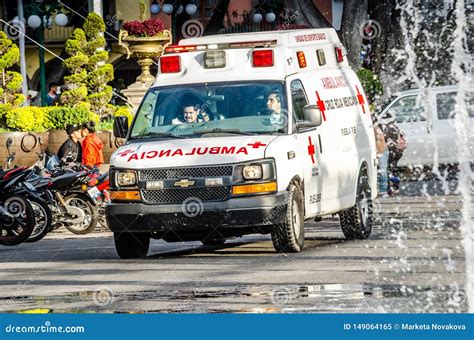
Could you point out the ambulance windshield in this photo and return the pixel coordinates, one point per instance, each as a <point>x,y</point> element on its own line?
<point>192,111</point>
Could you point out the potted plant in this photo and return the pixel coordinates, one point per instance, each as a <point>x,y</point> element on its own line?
<point>144,40</point>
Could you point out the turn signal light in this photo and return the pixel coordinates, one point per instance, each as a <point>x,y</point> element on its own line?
<point>125,195</point>
<point>170,64</point>
<point>262,58</point>
<point>254,188</point>
<point>301,59</point>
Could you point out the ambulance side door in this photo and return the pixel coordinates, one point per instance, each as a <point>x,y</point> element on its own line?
<point>307,152</point>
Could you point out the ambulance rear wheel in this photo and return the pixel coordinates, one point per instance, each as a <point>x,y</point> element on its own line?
<point>356,222</point>
<point>132,245</point>
<point>288,236</point>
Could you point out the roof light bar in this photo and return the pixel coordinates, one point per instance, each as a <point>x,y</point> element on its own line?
<point>243,44</point>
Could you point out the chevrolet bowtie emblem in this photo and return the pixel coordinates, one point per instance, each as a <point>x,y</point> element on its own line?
<point>184,183</point>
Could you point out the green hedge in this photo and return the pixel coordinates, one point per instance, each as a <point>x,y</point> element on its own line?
<point>41,119</point>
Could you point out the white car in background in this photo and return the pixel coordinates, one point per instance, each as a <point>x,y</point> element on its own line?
<point>426,117</point>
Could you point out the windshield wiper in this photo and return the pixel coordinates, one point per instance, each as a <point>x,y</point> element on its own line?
<point>219,130</point>
<point>159,134</point>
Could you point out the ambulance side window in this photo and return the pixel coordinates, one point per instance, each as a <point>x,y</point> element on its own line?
<point>298,98</point>
<point>147,113</point>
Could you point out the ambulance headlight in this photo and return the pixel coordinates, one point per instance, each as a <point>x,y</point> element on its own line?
<point>126,178</point>
<point>259,170</point>
<point>252,172</point>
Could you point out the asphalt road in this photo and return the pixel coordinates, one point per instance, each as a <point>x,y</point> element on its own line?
<point>413,262</point>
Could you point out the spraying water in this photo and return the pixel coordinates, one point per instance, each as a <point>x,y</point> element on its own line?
<point>461,70</point>
<point>421,70</point>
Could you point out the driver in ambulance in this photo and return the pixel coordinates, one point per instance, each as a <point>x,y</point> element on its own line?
<point>191,114</point>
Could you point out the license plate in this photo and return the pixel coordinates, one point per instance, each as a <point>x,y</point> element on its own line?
<point>94,193</point>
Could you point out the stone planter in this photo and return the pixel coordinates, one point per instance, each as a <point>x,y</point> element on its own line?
<point>56,139</point>
<point>144,49</point>
<point>25,145</point>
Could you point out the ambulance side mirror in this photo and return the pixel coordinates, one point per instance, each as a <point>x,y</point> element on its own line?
<point>121,127</point>
<point>312,115</point>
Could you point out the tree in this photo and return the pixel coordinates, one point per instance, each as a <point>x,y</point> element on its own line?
<point>10,82</point>
<point>87,64</point>
<point>353,16</point>
<point>307,14</point>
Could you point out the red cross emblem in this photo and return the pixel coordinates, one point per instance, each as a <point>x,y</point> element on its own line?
<point>126,153</point>
<point>311,150</point>
<point>321,106</point>
<point>256,145</point>
<point>360,98</point>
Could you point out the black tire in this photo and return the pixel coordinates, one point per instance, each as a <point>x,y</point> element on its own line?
<point>356,222</point>
<point>132,245</point>
<point>82,201</point>
<point>213,241</point>
<point>17,230</point>
<point>43,219</point>
<point>288,236</point>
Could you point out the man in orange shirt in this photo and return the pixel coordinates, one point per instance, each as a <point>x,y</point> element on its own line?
<point>92,146</point>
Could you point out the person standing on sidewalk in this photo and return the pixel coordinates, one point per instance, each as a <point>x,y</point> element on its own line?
<point>71,149</point>
<point>92,146</point>
<point>382,155</point>
<point>396,144</point>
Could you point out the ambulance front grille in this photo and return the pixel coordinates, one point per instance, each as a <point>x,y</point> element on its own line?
<point>179,196</point>
<point>178,173</point>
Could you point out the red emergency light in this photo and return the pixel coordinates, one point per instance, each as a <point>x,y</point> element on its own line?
<point>170,64</point>
<point>339,55</point>
<point>301,59</point>
<point>262,58</point>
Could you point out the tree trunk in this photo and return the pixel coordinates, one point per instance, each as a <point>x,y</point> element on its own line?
<point>385,15</point>
<point>306,13</point>
<point>217,20</point>
<point>353,16</point>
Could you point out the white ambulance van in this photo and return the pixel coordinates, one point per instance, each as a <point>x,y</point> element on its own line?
<point>241,134</point>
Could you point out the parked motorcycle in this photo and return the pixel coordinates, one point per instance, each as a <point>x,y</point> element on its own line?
<point>73,207</point>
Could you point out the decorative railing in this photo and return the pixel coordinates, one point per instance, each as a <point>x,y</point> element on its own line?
<point>57,33</point>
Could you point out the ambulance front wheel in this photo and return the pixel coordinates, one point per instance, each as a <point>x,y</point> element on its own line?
<point>288,236</point>
<point>356,222</point>
<point>132,245</point>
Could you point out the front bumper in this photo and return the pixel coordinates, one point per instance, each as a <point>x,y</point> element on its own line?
<point>238,212</point>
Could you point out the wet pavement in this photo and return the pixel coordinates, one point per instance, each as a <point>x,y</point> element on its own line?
<point>413,262</point>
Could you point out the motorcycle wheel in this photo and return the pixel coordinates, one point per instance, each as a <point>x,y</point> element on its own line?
<point>90,210</point>
<point>43,219</point>
<point>16,230</point>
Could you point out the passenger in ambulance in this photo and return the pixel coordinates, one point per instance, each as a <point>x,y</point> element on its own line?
<point>191,114</point>
<point>274,107</point>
